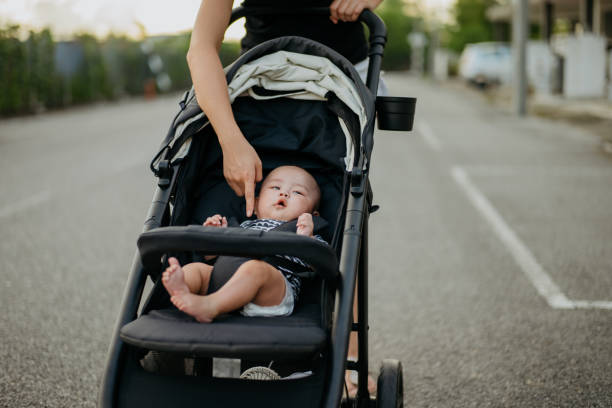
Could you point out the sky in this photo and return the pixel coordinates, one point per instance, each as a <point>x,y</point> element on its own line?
<point>121,16</point>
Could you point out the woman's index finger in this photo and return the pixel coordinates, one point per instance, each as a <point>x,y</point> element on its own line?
<point>249,195</point>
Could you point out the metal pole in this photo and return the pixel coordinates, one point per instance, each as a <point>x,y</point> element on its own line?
<point>519,42</point>
<point>589,14</point>
<point>548,20</point>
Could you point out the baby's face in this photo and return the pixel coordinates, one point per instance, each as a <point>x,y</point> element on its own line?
<point>287,193</point>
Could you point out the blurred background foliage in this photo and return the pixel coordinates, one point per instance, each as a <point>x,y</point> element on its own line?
<point>470,24</point>
<point>38,72</point>
<point>400,22</point>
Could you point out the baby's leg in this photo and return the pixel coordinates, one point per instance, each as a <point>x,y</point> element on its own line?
<point>254,281</point>
<point>191,278</point>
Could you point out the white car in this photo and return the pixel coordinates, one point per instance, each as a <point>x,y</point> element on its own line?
<point>486,63</point>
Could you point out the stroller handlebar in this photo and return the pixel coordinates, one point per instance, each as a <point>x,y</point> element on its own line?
<point>367,16</point>
<point>236,242</point>
<point>377,37</point>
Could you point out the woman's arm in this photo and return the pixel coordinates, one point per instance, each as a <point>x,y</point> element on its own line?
<point>241,164</point>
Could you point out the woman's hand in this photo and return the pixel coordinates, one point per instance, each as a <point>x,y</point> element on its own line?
<point>242,169</point>
<point>349,10</point>
<point>305,226</point>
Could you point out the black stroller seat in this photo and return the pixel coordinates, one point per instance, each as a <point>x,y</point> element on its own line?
<point>299,336</point>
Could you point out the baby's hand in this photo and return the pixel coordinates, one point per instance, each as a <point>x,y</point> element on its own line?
<point>216,221</point>
<point>305,225</point>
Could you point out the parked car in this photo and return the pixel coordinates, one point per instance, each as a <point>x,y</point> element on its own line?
<point>486,63</point>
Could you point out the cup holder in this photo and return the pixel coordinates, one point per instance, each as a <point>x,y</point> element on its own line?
<point>395,112</point>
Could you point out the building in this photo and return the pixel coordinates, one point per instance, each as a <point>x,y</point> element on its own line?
<point>583,51</point>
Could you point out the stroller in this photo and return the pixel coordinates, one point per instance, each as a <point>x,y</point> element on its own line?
<point>321,119</point>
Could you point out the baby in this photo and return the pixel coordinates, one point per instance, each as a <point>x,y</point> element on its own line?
<point>259,287</point>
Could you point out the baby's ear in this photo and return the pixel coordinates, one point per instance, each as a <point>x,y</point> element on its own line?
<point>315,212</point>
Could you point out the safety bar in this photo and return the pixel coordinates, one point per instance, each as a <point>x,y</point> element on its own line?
<point>236,242</point>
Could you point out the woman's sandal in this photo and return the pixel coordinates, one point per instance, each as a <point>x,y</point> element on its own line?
<point>350,379</point>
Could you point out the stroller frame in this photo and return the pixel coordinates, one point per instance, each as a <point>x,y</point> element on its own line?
<point>353,263</point>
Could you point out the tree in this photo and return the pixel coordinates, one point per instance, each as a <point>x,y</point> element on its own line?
<point>44,90</point>
<point>90,82</point>
<point>399,24</point>
<point>471,24</point>
<point>13,71</point>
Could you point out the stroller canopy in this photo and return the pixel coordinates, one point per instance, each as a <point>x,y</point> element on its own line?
<point>290,67</point>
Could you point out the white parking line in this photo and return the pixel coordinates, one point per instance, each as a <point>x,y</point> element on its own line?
<point>592,304</point>
<point>429,136</point>
<point>522,255</point>
<point>26,203</point>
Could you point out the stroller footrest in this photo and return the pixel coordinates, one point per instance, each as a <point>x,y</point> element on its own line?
<point>231,336</point>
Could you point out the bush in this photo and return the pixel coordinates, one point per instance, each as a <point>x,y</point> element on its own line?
<point>86,69</point>
<point>229,52</point>
<point>126,64</point>
<point>90,82</point>
<point>397,49</point>
<point>470,26</point>
<point>13,72</point>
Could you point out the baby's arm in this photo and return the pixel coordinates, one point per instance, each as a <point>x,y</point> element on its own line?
<point>305,226</point>
<point>215,221</point>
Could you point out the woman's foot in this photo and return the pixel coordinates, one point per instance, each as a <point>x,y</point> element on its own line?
<point>173,278</point>
<point>200,307</point>
<point>350,377</point>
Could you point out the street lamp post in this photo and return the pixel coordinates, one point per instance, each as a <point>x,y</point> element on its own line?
<point>519,46</point>
<point>417,41</point>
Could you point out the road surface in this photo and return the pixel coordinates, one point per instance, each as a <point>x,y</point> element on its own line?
<point>490,256</point>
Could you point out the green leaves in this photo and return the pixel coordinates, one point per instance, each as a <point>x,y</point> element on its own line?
<point>399,24</point>
<point>471,24</point>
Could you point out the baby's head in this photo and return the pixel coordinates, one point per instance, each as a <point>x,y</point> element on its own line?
<point>286,193</point>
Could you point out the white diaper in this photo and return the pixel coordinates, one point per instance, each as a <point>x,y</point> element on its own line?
<point>285,308</point>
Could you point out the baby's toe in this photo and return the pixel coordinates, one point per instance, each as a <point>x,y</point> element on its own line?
<point>176,301</point>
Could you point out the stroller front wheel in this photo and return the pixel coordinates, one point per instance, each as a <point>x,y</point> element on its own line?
<point>390,393</point>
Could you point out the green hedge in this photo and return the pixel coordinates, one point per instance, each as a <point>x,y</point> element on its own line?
<point>27,82</point>
<point>106,69</point>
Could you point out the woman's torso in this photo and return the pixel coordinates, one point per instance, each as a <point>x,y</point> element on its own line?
<point>346,38</point>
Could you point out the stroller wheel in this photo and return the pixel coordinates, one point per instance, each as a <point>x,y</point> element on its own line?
<point>390,393</point>
<point>260,373</point>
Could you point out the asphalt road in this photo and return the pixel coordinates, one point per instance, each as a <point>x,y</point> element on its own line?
<point>490,256</point>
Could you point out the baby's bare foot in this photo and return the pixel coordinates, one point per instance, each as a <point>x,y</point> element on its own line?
<point>174,278</point>
<point>197,306</point>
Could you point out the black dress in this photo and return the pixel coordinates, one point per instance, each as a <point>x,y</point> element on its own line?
<point>346,38</point>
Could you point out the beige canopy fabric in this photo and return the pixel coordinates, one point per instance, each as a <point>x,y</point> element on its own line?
<point>301,76</point>
<point>297,76</point>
